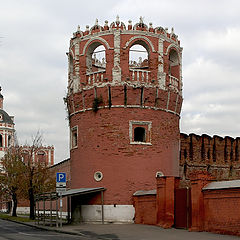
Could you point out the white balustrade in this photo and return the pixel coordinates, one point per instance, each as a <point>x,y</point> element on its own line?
<point>174,82</point>
<point>139,75</point>
<point>95,77</point>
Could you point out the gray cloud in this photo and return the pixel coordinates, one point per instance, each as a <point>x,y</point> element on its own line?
<point>33,66</point>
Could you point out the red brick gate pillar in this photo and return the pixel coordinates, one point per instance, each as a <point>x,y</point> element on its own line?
<point>198,181</point>
<point>165,200</point>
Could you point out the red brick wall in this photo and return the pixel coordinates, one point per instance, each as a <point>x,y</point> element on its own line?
<point>63,166</point>
<point>216,155</point>
<point>221,211</point>
<point>104,145</point>
<point>145,209</point>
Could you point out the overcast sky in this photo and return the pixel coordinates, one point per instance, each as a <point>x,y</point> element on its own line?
<point>34,39</point>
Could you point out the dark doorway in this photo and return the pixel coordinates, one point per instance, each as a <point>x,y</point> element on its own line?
<point>182,209</point>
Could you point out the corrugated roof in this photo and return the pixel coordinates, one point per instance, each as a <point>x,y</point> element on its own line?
<point>222,185</point>
<point>143,192</point>
<point>81,191</point>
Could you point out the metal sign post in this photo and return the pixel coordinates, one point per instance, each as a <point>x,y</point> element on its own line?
<point>60,188</point>
<point>61,207</point>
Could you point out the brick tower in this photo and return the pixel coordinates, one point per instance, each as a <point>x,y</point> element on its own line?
<point>124,101</point>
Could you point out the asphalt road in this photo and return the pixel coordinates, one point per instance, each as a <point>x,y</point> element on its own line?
<point>15,231</point>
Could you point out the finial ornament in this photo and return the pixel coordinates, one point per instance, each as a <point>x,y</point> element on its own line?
<point>141,20</point>
<point>117,19</point>
<point>106,23</point>
<point>78,28</point>
<point>96,22</point>
<point>172,30</point>
<point>130,22</point>
<point>150,25</point>
<point>87,27</point>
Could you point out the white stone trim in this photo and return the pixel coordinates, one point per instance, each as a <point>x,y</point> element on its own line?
<point>136,122</point>
<point>72,53</point>
<point>133,32</point>
<point>139,37</point>
<point>116,71</point>
<point>177,48</point>
<point>71,136</point>
<point>127,106</point>
<point>76,46</point>
<point>168,99</point>
<point>93,39</point>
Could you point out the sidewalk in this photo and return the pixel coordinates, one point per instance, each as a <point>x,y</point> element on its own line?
<point>133,232</point>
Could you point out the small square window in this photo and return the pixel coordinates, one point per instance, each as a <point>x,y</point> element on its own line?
<point>74,137</point>
<point>140,132</point>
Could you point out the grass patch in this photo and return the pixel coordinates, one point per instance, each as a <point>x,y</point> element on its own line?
<point>18,219</point>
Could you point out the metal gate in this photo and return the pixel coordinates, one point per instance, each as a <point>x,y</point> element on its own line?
<point>182,208</point>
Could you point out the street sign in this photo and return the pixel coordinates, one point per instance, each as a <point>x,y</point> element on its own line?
<point>60,190</point>
<point>61,178</point>
<point>60,184</point>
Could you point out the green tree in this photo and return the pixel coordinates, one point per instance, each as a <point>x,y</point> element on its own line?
<point>11,176</point>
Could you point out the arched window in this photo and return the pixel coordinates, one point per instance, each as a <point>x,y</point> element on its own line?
<point>174,69</point>
<point>138,57</point>
<point>96,58</point>
<point>70,64</point>
<point>9,140</point>
<point>139,134</point>
<point>41,157</point>
<point>1,140</point>
<point>25,155</point>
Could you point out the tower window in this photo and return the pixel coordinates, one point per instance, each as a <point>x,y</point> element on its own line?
<point>138,56</point>
<point>74,137</point>
<point>1,140</point>
<point>96,58</point>
<point>9,141</point>
<point>139,134</point>
<point>174,69</point>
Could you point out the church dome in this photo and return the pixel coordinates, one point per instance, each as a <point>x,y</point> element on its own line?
<point>5,118</point>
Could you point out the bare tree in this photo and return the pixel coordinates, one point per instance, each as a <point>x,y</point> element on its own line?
<point>37,176</point>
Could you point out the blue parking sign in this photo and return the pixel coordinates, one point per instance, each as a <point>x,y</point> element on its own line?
<point>61,177</point>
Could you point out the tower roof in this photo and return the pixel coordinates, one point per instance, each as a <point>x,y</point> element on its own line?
<point>4,117</point>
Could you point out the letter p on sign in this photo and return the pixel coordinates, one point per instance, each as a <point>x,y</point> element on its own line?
<point>61,177</point>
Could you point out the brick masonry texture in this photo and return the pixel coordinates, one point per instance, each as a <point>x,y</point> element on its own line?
<point>107,100</point>
<point>216,155</point>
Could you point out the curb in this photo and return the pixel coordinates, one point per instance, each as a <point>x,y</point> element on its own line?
<point>57,230</point>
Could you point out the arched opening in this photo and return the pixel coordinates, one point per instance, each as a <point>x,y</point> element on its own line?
<point>96,58</point>
<point>70,64</point>
<point>138,56</point>
<point>139,134</point>
<point>41,157</point>
<point>25,156</point>
<point>9,140</point>
<point>174,69</point>
<point>1,140</point>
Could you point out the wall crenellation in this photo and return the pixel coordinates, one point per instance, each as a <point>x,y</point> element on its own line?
<point>218,155</point>
<point>117,25</point>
